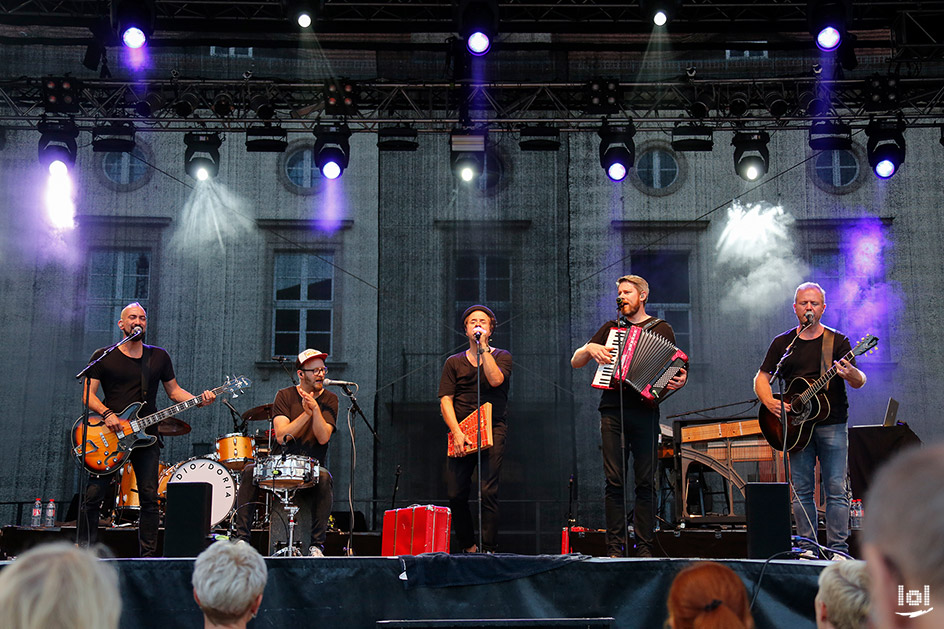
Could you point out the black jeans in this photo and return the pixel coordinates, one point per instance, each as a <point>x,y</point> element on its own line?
<point>640,426</point>
<point>146,464</point>
<point>459,477</point>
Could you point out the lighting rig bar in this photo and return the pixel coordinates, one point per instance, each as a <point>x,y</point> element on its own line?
<point>440,106</point>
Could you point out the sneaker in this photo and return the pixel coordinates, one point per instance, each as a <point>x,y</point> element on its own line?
<point>807,554</point>
<point>839,557</point>
<point>315,551</point>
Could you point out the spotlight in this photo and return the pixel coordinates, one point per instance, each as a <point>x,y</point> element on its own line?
<point>152,103</point>
<point>660,12</point>
<point>751,156</point>
<point>692,138</point>
<point>303,12</point>
<point>539,138</point>
<point>266,139</point>
<point>223,104</point>
<point>603,96</point>
<point>827,22</point>
<point>830,136</point>
<point>340,97</point>
<point>397,138</point>
<point>117,137</point>
<point>617,150</point>
<point>134,21</point>
<point>702,103</point>
<point>886,146</point>
<point>61,95</point>
<point>202,157</point>
<point>186,104</point>
<point>332,149</point>
<point>262,105</point>
<point>477,22</point>
<point>813,102</point>
<point>467,153</point>
<point>882,93</point>
<point>57,145</point>
<point>738,104</point>
<point>776,104</point>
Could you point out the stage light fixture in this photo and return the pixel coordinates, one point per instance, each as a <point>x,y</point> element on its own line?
<point>692,138</point>
<point>702,103</point>
<point>116,137</point>
<point>57,146</point>
<point>467,153</point>
<point>659,12</point>
<point>813,101</point>
<point>302,12</point>
<point>751,155</point>
<point>340,97</point>
<point>602,96</point>
<point>539,138</point>
<point>477,22</point>
<point>61,95</point>
<point>738,104</point>
<point>882,92</point>
<point>830,135</point>
<point>152,103</point>
<point>202,157</point>
<point>332,149</point>
<point>186,104</point>
<point>266,139</point>
<point>776,103</point>
<point>133,20</point>
<point>827,20</point>
<point>397,138</point>
<point>223,104</point>
<point>617,150</point>
<point>886,146</point>
<point>262,105</point>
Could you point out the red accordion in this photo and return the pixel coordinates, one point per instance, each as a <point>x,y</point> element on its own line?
<point>647,362</point>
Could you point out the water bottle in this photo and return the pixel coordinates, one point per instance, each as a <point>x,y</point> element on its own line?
<point>37,516</point>
<point>49,520</point>
<point>855,515</point>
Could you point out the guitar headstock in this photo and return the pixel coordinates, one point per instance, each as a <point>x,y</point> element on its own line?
<point>866,345</point>
<point>236,384</point>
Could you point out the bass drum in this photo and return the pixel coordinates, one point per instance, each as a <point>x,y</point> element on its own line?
<point>199,470</point>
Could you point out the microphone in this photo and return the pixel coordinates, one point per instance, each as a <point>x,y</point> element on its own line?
<point>341,383</point>
<point>477,333</point>
<point>280,359</point>
<point>619,302</point>
<point>136,332</point>
<point>809,318</point>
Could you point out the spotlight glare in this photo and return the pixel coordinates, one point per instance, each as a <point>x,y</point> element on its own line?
<point>885,168</point>
<point>467,174</point>
<point>331,170</point>
<point>660,18</point>
<point>751,172</point>
<point>478,43</point>
<point>617,171</point>
<point>304,20</point>
<point>332,149</point>
<point>133,37</point>
<point>58,168</point>
<point>885,147</point>
<point>828,39</point>
<point>202,174</point>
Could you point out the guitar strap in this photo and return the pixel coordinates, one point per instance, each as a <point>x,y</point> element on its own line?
<point>651,323</point>
<point>826,362</point>
<point>145,372</point>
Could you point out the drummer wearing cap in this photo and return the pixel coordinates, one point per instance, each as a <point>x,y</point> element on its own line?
<point>458,397</point>
<point>305,417</point>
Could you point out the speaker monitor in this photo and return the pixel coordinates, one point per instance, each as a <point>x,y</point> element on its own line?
<point>768,519</point>
<point>187,519</point>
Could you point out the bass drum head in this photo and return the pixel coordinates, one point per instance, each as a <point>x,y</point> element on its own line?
<point>200,470</point>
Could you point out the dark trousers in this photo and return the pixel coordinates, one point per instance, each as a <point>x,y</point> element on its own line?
<point>146,464</point>
<point>640,432</point>
<point>312,518</point>
<point>459,479</point>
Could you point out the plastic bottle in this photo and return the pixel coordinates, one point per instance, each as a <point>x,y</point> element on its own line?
<point>49,520</point>
<point>37,516</point>
<point>855,515</point>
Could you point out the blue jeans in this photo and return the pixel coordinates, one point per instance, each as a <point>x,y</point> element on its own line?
<point>830,444</point>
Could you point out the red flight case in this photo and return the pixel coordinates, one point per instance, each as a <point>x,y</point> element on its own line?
<point>414,530</point>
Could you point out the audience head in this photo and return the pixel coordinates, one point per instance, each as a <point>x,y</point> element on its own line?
<point>842,601</point>
<point>903,540</point>
<point>707,595</point>
<point>228,580</point>
<point>59,585</point>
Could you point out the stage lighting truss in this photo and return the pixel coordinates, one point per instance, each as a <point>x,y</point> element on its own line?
<point>332,149</point>
<point>115,137</point>
<point>262,105</point>
<point>467,153</point>
<point>150,105</point>
<point>186,104</point>
<point>691,138</point>
<point>539,138</point>
<point>477,23</point>
<point>659,12</point>
<point>827,20</point>
<point>400,138</point>
<point>57,142</point>
<point>886,146</point>
<point>617,150</point>
<point>266,138</point>
<point>133,20</point>
<point>223,104</point>
<point>830,135</point>
<point>202,157</point>
<point>751,155</point>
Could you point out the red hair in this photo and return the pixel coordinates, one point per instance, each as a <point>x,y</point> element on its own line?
<point>709,595</point>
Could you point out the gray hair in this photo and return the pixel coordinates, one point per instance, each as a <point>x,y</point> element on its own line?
<point>227,579</point>
<point>59,585</point>
<point>844,589</point>
<point>808,286</point>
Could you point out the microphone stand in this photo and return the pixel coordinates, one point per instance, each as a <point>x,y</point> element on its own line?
<point>478,427</point>
<point>282,360</point>
<point>355,409</point>
<point>239,424</point>
<point>396,486</point>
<point>784,465</point>
<point>624,462</point>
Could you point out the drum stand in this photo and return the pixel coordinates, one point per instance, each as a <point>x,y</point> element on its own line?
<point>285,495</point>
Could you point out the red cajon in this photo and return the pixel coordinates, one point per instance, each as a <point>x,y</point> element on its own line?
<point>414,530</point>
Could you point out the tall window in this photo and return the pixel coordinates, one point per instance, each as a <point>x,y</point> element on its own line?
<point>304,302</point>
<point>486,279</point>
<point>669,290</point>
<point>115,279</point>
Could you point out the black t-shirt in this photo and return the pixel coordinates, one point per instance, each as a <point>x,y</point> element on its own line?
<point>289,403</point>
<point>459,378</point>
<point>121,378</point>
<point>631,397</point>
<point>804,362</point>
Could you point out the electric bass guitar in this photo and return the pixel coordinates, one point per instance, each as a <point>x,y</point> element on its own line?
<point>808,406</point>
<point>106,449</point>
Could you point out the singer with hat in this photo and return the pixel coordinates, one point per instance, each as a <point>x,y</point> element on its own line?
<point>460,390</point>
<point>305,417</point>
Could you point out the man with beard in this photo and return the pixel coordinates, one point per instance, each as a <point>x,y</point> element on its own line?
<point>306,416</point>
<point>131,374</point>
<point>640,423</point>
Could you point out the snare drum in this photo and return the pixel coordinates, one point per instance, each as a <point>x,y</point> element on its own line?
<point>199,470</point>
<point>234,450</point>
<point>288,472</point>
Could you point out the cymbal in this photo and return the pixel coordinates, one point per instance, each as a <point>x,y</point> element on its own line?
<point>259,413</point>
<point>173,427</point>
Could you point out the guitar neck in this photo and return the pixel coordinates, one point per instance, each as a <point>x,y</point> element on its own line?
<point>824,379</point>
<point>150,420</point>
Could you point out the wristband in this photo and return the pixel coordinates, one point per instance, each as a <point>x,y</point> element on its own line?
<point>107,413</point>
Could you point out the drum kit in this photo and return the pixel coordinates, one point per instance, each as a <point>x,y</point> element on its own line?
<point>282,475</point>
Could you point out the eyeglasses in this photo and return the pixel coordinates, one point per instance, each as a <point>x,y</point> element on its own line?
<point>317,370</point>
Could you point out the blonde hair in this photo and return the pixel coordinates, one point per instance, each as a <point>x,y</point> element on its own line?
<point>59,585</point>
<point>844,590</point>
<point>228,577</point>
<point>641,285</point>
